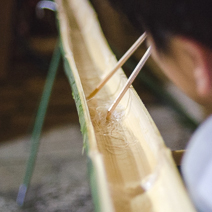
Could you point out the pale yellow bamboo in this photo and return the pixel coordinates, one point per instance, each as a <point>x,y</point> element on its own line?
<point>133,168</point>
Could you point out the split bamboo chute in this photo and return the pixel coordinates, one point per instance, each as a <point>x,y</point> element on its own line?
<point>130,167</point>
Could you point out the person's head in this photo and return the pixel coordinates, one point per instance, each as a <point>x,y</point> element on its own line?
<point>180,32</point>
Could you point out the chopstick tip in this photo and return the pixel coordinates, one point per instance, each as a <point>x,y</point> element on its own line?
<point>108,115</point>
<point>92,94</point>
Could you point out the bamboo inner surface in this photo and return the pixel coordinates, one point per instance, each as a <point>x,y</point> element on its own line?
<point>140,172</point>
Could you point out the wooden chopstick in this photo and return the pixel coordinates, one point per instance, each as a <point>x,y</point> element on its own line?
<point>120,63</point>
<point>129,82</point>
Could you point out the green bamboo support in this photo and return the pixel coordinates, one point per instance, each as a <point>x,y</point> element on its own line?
<point>35,139</point>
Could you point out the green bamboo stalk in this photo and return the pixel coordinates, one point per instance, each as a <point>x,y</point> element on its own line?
<point>35,139</point>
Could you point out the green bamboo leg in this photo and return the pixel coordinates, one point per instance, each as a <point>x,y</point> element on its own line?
<point>35,139</point>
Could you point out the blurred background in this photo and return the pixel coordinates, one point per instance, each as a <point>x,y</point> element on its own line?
<point>60,180</point>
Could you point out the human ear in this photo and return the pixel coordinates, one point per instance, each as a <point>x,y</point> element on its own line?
<point>201,58</point>
<point>203,82</point>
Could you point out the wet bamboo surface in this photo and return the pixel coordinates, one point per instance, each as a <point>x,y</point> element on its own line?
<point>134,169</point>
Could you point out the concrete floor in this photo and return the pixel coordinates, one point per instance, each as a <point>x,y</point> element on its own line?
<point>60,180</point>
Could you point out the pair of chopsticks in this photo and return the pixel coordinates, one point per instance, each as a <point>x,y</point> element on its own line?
<point>132,77</point>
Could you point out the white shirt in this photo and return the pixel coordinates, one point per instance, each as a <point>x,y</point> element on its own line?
<point>197,167</point>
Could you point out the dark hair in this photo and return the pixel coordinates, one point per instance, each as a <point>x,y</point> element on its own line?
<point>164,18</point>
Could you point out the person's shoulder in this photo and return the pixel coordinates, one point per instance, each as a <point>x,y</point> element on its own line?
<point>197,166</point>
